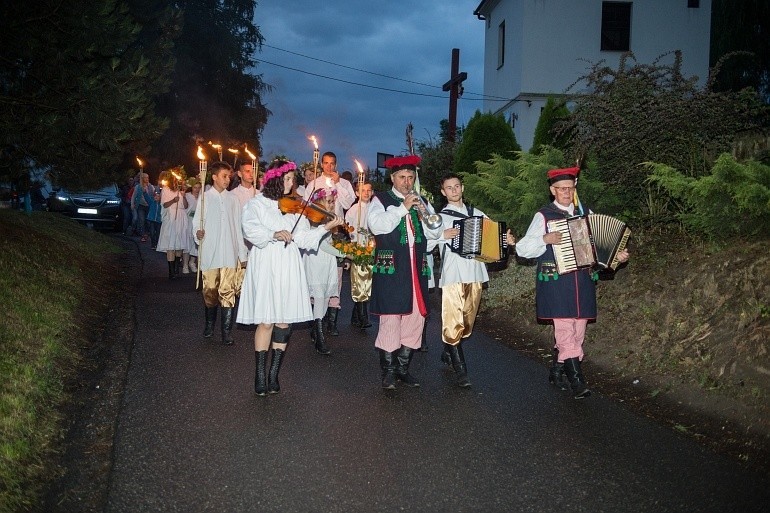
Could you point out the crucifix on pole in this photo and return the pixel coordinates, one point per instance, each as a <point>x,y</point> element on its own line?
<point>454,86</point>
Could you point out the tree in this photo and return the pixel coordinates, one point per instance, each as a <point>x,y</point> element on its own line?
<point>652,112</point>
<point>214,95</point>
<point>437,160</point>
<point>486,134</point>
<point>544,131</point>
<point>78,88</point>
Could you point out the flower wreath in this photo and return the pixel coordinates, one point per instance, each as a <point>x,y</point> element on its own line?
<point>278,171</point>
<point>322,194</point>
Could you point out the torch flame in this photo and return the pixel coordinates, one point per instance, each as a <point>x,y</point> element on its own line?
<point>233,150</point>
<point>251,155</point>
<point>360,169</point>
<point>201,155</point>
<point>215,146</point>
<point>176,175</point>
<point>315,142</point>
<point>139,161</point>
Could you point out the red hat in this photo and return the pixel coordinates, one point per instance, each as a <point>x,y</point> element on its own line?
<point>409,162</point>
<point>569,173</point>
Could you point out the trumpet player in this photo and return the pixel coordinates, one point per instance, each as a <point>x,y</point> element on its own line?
<point>401,225</point>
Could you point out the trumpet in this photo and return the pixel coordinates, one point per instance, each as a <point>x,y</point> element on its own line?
<point>432,221</point>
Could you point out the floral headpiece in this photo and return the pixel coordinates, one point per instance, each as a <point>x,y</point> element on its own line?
<point>323,193</point>
<point>278,171</point>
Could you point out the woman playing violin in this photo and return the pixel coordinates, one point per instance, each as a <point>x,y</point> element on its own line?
<point>275,290</point>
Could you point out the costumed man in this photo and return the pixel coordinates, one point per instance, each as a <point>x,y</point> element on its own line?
<point>217,228</point>
<point>360,275</point>
<point>244,192</point>
<point>569,300</point>
<point>400,271</point>
<point>330,179</point>
<point>461,280</point>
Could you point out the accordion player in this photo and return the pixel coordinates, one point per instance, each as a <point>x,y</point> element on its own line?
<point>480,238</point>
<point>592,240</point>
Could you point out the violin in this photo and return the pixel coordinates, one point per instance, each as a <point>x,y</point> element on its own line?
<point>314,213</point>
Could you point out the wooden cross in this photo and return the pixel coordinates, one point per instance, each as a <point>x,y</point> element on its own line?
<point>454,86</point>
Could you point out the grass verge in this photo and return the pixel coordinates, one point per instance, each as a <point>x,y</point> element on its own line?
<point>52,267</point>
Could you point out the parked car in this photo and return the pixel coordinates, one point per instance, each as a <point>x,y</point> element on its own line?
<point>98,209</point>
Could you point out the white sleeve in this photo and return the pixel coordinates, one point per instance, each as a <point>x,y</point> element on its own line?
<point>345,194</point>
<point>532,245</point>
<point>381,221</point>
<point>253,229</point>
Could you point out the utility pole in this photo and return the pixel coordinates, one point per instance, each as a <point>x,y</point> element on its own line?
<point>454,86</point>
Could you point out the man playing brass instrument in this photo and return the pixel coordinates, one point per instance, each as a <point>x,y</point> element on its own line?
<point>400,271</point>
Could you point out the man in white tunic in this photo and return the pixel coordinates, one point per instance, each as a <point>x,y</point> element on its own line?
<point>330,179</point>
<point>244,192</point>
<point>221,248</point>
<point>461,280</point>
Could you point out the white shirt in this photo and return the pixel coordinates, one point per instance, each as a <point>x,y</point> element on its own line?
<point>357,222</point>
<point>223,244</point>
<point>456,268</point>
<point>532,244</point>
<point>382,221</point>
<point>243,194</point>
<point>345,194</point>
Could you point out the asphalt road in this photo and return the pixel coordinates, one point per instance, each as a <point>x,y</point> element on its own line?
<point>192,436</point>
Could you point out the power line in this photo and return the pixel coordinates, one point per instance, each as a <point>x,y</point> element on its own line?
<point>491,98</point>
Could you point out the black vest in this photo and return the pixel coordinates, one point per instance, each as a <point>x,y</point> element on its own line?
<point>569,296</point>
<point>392,271</point>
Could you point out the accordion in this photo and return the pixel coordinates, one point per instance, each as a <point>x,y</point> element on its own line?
<point>480,238</point>
<point>588,241</point>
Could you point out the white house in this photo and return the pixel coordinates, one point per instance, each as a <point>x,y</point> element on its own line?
<point>537,48</point>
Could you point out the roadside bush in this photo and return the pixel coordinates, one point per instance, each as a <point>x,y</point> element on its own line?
<point>734,200</point>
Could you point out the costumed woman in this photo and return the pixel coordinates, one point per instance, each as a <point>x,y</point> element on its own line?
<point>174,238</point>
<point>275,290</point>
<point>190,264</point>
<point>321,270</point>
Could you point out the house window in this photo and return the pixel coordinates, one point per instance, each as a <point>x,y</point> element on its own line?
<point>693,4</point>
<point>501,45</point>
<point>616,26</point>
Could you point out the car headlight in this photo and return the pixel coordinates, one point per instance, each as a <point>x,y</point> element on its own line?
<point>113,202</point>
<point>62,198</point>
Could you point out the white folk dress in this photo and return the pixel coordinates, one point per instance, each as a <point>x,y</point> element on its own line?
<point>275,288</point>
<point>175,224</point>
<point>321,270</point>
<point>192,204</point>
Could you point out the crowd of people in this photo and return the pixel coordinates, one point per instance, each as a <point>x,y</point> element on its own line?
<point>268,252</point>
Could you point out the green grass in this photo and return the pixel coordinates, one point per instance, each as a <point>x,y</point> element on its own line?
<point>50,267</point>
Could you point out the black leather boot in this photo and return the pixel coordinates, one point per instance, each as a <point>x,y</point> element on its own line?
<point>171,270</point>
<point>275,365</point>
<point>211,319</point>
<point>446,354</point>
<point>177,265</point>
<point>318,337</point>
<point>388,366</point>
<point>355,317</point>
<point>260,374</point>
<point>575,377</point>
<point>403,358</point>
<point>331,321</point>
<point>457,356</point>
<point>556,375</point>
<point>227,325</point>
<point>424,343</point>
<point>363,309</point>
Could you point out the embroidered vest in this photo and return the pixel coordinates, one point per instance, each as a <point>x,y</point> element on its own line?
<point>569,296</point>
<point>392,271</point>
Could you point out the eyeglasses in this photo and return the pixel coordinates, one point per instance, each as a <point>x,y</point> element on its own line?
<point>564,189</point>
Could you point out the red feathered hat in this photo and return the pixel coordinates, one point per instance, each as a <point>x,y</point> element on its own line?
<point>409,162</point>
<point>569,173</point>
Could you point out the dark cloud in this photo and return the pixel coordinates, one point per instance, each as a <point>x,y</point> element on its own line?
<point>387,38</point>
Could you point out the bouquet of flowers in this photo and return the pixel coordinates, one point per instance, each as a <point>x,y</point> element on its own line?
<point>359,254</point>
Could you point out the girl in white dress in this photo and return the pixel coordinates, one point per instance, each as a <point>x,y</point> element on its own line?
<point>322,279</point>
<point>189,264</point>
<point>174,228</point>
<point>275,290</point>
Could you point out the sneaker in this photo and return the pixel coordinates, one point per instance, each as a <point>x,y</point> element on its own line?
<point>185,270</point>
<point>193,267</point>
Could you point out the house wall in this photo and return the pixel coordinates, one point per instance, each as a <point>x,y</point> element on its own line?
<point>551,43</point>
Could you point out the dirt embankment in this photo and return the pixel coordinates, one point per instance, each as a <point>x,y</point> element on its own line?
<point>682,335</point>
